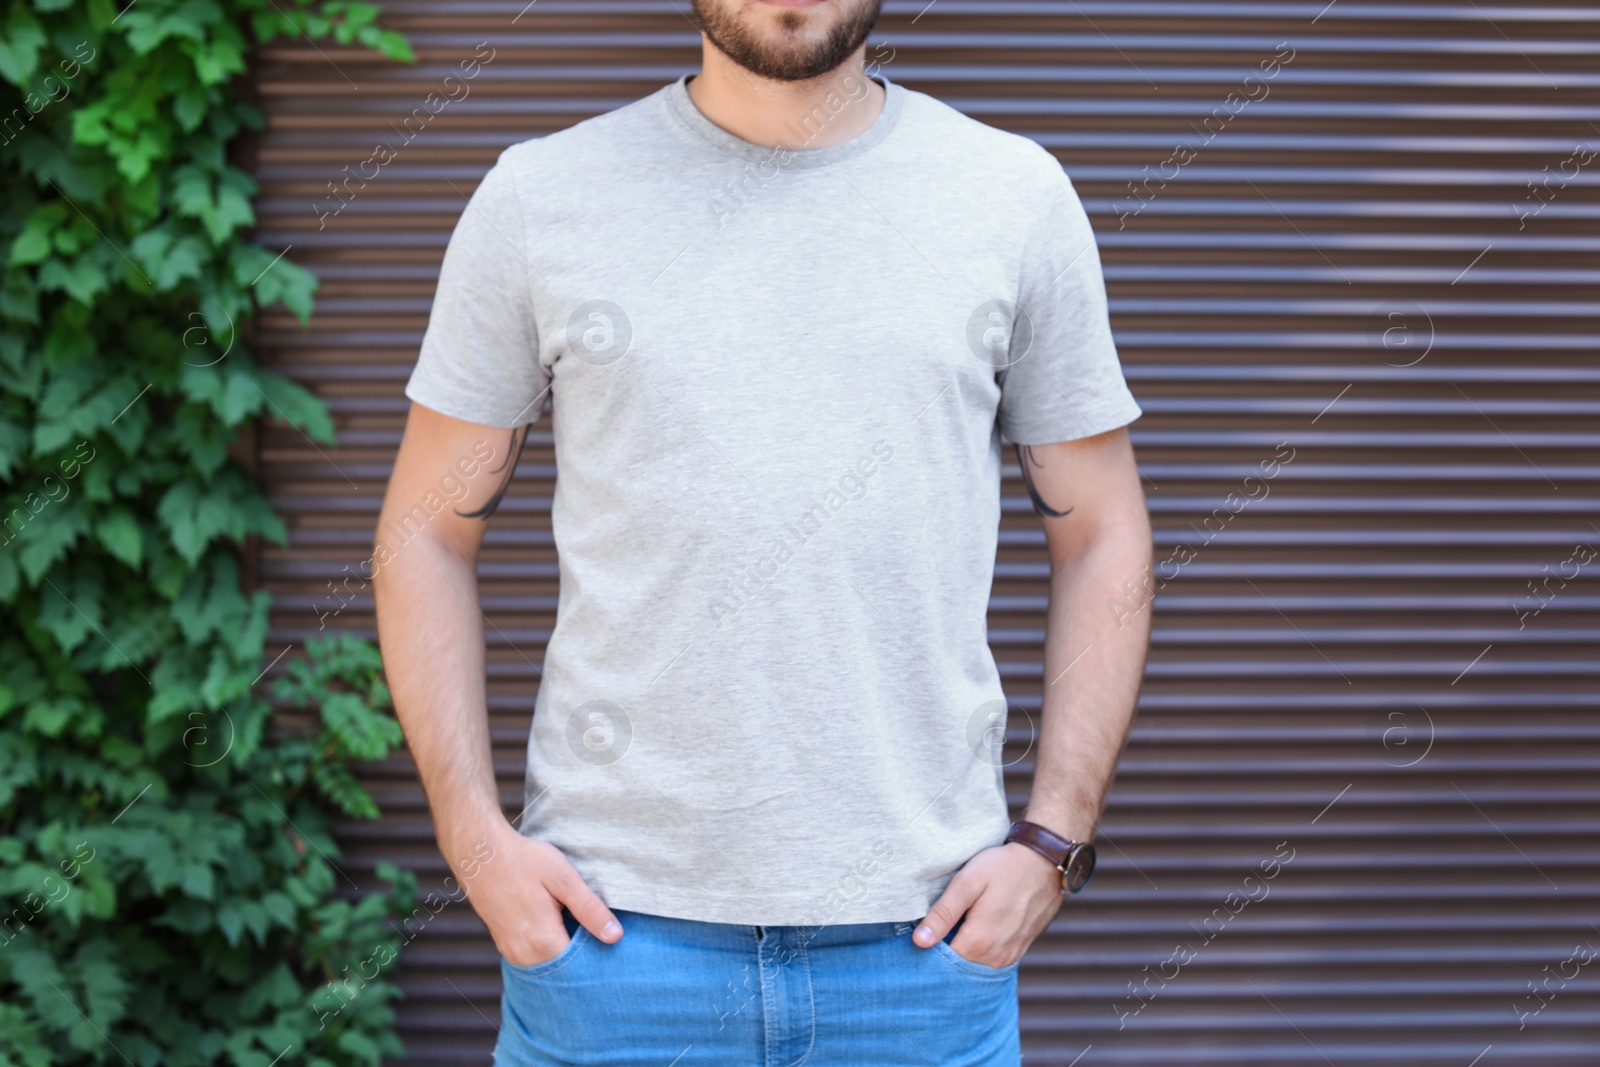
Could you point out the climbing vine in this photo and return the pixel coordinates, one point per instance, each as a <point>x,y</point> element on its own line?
<point>170,890</point>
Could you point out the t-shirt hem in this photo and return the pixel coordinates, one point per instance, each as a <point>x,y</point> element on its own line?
<point>1101,418</point>
<point>761,910</point>
<point>437,396</point>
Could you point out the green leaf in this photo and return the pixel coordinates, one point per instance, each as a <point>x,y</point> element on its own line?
<point>394,45</point>
<point>118,530</point>
<point>199,880</point>
<point>362,732</point>
<point>82,280</point>
<point>191,191</point>
<point>294,403</point>
<point>13,441</point>
<point>169,260</point>
<point>277,279</point>
<point>195,517</point>
<point>47,538</point>
<point>20,43</point>
<point>221,59</point>
<point>231,209</point>
<point>105,991</point>
<point>71,613</point>
<point>22,1039</point>
<point>49,718</point>
<point>189,108</point>
<point>147,28</point>
<point>31,246</point>
<point>240,397</point>
<point>359,1045</point>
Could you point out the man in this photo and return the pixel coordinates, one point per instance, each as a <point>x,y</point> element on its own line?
<point>784,312</point>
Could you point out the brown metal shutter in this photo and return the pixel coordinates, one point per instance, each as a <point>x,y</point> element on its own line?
<point>1354,267</point>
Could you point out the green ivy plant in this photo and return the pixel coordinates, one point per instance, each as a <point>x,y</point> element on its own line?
<point>170,892</point>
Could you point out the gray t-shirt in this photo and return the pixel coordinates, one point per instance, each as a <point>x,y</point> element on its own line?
<point>779,382</point>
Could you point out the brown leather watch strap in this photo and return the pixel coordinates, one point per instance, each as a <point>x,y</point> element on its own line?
<point>1046,842</point>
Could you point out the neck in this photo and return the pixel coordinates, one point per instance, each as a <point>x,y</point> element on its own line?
<point>816,113</point>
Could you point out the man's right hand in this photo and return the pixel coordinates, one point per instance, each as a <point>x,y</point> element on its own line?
<point>518,888</point>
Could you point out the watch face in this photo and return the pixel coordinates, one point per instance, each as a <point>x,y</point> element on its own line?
<point>1078,868</point>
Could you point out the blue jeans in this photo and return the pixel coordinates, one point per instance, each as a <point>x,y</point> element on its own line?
<point>696,994</point>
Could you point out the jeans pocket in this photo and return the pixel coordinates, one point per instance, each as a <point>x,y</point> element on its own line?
<point>534,970</point>
<point>972,967</point>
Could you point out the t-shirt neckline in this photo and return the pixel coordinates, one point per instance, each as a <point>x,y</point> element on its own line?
<point>793,154</point>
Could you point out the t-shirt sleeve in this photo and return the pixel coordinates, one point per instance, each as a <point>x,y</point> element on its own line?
<point>1063,380</point>
<point>480,354</point>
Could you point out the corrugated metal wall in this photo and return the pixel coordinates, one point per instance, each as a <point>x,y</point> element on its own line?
<point>1351,251</point>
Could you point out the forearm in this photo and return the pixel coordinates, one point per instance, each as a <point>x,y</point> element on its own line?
<point>431,632</point>
<point>1093,664</point>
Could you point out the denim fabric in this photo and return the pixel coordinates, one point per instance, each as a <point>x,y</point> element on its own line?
<point>696,994</point>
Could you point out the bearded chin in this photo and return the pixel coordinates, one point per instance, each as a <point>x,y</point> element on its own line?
<point>788,60</point>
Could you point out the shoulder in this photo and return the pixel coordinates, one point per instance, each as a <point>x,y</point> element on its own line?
<point>594,141</point>
<point>1024,167</point>
<point>532,178</point>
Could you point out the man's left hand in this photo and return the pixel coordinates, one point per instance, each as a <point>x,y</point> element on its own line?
<point>1008,893</point>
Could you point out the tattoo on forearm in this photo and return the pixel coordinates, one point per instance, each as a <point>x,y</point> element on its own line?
<point>1026,459</point>
<point>514,445</point>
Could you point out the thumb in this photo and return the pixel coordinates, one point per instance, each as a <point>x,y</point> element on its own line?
<point>953,903</point>
<point>591,912</point>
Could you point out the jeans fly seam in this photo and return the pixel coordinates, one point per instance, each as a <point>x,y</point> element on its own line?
<point>811,1005</point>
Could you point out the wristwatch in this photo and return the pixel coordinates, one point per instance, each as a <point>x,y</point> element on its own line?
<point>1074,859</point>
